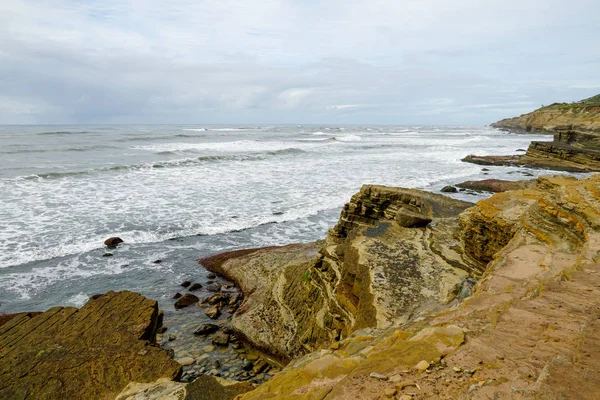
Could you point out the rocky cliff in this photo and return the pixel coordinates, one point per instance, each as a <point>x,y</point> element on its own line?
<point>576,144</point>
<point>529,329</point>
<point>394,256</point>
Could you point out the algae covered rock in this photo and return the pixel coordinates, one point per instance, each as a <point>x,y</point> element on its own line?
<point>92,352</point>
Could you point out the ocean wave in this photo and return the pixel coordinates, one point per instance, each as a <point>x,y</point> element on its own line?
<point>195,129</point>
<point>186,162</point>
<point>348,138</point>
<point>63,133</point>
<point>243,146</point>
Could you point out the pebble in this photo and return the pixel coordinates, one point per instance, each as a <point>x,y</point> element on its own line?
<point>379,376</point>
<point>211,276</point>
<point>422,365</point>
<point>390,393</point>
<point>185,361</point>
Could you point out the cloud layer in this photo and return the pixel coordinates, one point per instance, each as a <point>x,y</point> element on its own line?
<point>293,61</point>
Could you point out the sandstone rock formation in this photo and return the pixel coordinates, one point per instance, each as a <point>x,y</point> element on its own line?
<point>393,256</point>
<point>530,330</point>
<point>576,144</point>
<point>496,185</point>
<point>92,352</point>
<point>203,388</point>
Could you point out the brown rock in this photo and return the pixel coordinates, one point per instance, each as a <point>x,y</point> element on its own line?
<point>217,298</point>
<point>55,354</point>
<point>113,241</point>
<point>213,312</point>
<point>497,185</point>
<point>220,339</point>
<point>185,301</point>
<point>194,286</point>
<point>206,329</point>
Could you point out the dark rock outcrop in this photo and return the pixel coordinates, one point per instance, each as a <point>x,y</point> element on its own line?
<point>186,300</point>
<point>92,352</point>
<point>497,185</point>
<point>113,241</point>
<point>576,142</point>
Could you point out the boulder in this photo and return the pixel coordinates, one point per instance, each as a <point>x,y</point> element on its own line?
<point>92,352</point>
<point>449,189</point>
<point>213,312</point>
<point>113,241</point>
<point>206,329</point>
<point>185,284</point>
<point>217,298</point>
<point>220,339</point>
<point>194,286</point>
<point>186,300</point>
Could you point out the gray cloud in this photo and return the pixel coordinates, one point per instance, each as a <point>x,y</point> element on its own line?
<point>427,61</point>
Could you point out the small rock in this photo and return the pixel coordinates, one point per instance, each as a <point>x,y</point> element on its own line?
<point>422,365</point>
<point>214,372</point>
<point>248,365</point>
<point>176,295</point>
<point>185,361</point>
<point>113,241</point>
<point>335,346</point>
<point>449,189</point>
<point>107,255</point>
<point>211,276</point>
<point>213,288</point>
<point>171,338</point>
<point>227,284</point>
<point>156,261</point>
<point>206,329</point>
<point>234,299</point>
<point>485,169</point>
<point>185,301</point>
<point>194,286</point>
<point>212,312</point>
<point>217,298</point>
<point>186,283</point>
<point>220,339</point>
<point>405,397</point>
<point>260,376</point>
<point>214,364</point>
<point>162,329</point>
<point>379,376</point>
<point>390,393</point>
<point>260,366</point>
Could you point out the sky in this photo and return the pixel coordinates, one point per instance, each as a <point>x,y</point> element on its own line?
<point>461,62</point>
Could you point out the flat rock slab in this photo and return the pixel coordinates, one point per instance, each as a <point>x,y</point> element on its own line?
<point>87,353</point>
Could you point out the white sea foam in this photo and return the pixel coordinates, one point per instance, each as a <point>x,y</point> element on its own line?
<point>348,138</point>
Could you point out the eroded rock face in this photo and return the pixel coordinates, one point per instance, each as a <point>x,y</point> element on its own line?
<point>92,352</point>
<point>576,144</point>
<point>529,330</point>
<point>393,251</point>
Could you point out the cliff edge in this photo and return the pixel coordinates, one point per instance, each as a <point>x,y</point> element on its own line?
<point>576,143</point>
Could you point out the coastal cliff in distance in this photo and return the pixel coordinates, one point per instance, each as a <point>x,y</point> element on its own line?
<point>576,144</point>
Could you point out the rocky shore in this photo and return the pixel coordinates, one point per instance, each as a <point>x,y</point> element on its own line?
<point>576,143</point>
<point>412,295</point>
<point>415,295</point>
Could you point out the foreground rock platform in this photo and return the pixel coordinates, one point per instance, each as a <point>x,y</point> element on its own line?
<point>88,353</point>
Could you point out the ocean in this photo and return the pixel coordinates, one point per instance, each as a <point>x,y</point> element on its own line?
<point>177,193</point>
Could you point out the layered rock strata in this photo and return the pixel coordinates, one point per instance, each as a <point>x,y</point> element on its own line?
<point>87,353</point>
<point>576,142</point>
<point>529,330</point>
<point>394,256</point>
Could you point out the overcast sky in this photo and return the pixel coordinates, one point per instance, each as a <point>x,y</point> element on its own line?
<point>295,61</point>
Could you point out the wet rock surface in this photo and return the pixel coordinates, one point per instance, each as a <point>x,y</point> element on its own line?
<point>91,352</point>
<point>207,346</point>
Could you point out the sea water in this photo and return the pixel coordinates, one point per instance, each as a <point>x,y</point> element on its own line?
<point>177,193</point>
